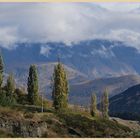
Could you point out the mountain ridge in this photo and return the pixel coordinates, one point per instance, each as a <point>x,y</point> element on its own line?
<point>95,58</point>
<point>126,104</point>
<point>114,85</point>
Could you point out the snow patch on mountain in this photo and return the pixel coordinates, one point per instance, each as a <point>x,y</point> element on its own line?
<point>45,50</point>
<point>103,52</point>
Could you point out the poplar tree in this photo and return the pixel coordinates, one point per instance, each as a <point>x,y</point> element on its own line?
<point>1,69</point>
<point>93,106</point>
<point>105,105</point>
<point>8,96</point>
<point>32,86</point>
<point>10,86</point>
<point>60,87</point>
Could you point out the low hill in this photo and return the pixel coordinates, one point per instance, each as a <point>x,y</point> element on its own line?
<point>80,93</point>
<point>20,122</point>
<point>126,104</point>
<point>81,87</point>
<point>45,72</point>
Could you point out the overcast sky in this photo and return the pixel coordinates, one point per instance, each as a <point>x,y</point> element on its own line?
<point>123,6</point>
<point>69,22</point>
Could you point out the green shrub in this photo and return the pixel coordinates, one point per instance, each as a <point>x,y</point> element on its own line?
<point>136,134</point>
<point>20,96</point>
<point>6,100</point>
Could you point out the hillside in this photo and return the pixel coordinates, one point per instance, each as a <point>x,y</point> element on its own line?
<point>80,87</point>
<point>134,125</point>
<point>45,72</point>
<point>19,122</point>
<point>126,104</point>
<point>80,93</point>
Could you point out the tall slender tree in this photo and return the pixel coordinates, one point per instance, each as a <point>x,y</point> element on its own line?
<point>32,86</point>
<point>1,69</point>
<point>60,87</point>
<point>10,86</point>
<point>105,104</point>
<point>93,106</point>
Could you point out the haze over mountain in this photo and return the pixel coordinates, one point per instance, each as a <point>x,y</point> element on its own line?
<point>68,23</point>
<point>91,44</point>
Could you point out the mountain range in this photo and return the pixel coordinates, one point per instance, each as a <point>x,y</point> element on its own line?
<point>91,65</point>
<point>95,58</point>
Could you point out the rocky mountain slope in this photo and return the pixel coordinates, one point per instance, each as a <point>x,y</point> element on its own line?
<point>95,58</point>
<point>126,104</point>
<point>45,73</point>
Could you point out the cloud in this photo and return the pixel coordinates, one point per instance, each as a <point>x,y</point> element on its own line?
<point>67,22</point>
<point>120,6</point>
<point>127,36</point>
<point>8,36</point>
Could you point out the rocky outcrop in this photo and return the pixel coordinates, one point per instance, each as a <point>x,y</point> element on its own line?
<point>24,128</point>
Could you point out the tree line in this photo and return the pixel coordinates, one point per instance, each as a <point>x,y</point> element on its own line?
<point>11,95</point>
<point>103,105</point>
